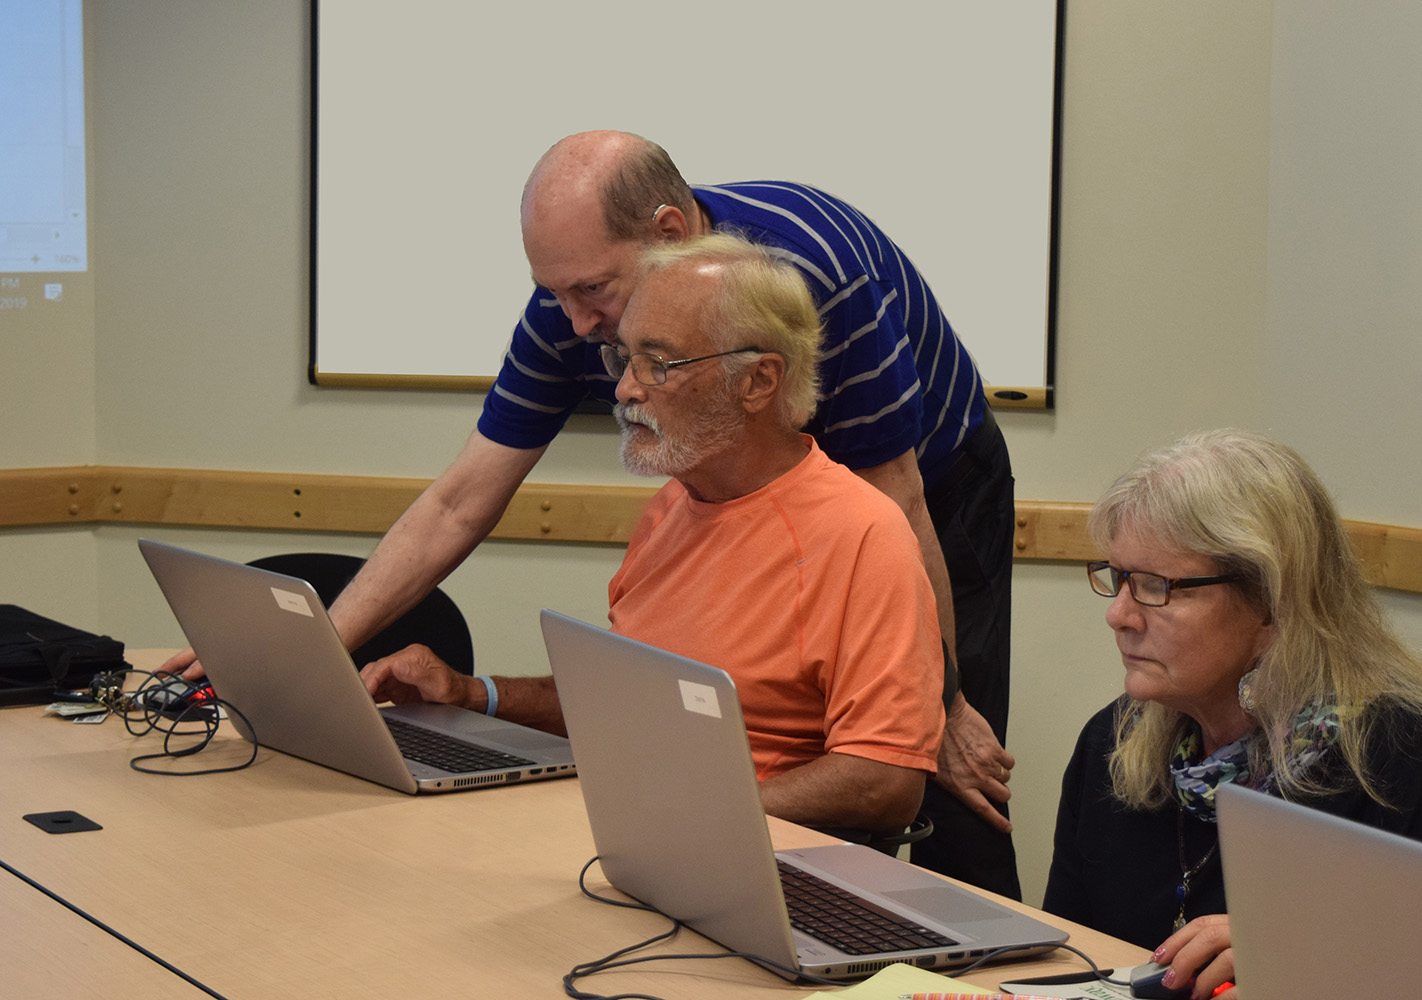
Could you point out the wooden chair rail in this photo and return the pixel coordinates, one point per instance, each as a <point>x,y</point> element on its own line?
<point>99,494</point>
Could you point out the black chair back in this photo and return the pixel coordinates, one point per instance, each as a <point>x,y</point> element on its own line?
<point>436,621</point>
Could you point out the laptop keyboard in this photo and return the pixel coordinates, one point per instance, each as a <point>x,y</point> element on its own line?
<point>853,925</point>
<point>447,753</point>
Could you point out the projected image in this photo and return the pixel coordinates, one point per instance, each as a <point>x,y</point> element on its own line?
<point>43,220</point>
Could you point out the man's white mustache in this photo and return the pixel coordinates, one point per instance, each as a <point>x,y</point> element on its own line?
<point>631,413</point>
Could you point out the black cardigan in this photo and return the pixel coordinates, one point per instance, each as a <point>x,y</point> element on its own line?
<point>1117,869</point>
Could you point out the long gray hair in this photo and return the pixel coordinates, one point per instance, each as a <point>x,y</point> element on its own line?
<point>1257,509</point>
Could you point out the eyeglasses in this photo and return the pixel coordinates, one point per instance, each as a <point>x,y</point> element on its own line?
<point>650,369</point>
<point>1147,588</point>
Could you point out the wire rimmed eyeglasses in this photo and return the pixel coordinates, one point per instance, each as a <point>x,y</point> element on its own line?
<point>651,369</point>
<point>1146,588</point>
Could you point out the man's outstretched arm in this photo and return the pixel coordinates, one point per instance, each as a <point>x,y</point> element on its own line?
<point>435,534</point>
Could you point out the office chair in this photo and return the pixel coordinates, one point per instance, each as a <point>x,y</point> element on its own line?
<point>436,621</point>
<point>886,843</point>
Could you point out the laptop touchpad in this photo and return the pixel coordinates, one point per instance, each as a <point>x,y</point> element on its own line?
<point>949,905</point>
<point>524,739</point>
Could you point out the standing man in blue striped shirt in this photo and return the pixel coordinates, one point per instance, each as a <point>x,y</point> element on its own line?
<point>903,407</point>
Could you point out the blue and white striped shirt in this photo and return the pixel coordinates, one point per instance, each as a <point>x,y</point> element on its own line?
<point>894,376</point>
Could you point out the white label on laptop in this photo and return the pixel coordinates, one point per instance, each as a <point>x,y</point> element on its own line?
<point>700,698</point>
<point>288,601</point>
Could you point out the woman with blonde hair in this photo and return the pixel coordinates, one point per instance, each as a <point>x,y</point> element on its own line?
<point>1255,653</point>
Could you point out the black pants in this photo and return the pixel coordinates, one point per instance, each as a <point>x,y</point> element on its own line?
<point>972,512</point>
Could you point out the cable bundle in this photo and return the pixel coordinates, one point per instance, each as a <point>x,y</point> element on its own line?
<point>179,709</point>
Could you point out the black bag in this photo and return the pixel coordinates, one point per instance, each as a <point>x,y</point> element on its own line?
<point>39,656</point>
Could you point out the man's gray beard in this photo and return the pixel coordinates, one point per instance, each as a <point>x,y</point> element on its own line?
<point>716,431</point>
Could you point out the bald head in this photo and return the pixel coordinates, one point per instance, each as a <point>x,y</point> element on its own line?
<point>622,177</point>
<point>592,204</point>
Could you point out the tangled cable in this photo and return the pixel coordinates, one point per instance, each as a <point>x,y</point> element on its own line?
<point>177,708</point>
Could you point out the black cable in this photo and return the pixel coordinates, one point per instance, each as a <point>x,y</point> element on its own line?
<point>144,712</point>
<point>214,704</point>
<point>159,701</point>
<point>615,960</point>
<point>110,931</point>
<point>1095,969</point>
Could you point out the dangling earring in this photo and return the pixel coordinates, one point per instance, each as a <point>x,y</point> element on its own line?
<point>1246,691</point>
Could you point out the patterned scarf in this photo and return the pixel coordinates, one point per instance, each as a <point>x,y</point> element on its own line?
<point>1315,729</point>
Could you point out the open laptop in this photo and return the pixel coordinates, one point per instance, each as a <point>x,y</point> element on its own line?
<point>270,650</point>
<point>671,794</point>
<point>1317,904</point>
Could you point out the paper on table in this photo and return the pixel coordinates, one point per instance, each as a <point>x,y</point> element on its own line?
<point>890,982</point>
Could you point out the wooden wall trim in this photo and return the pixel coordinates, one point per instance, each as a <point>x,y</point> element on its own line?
<point>101,494</point>
<point>293,501</point>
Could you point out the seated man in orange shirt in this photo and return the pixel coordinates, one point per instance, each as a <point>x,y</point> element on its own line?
<point>760,556</point>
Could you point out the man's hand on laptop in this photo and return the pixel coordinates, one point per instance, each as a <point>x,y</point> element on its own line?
<point>416,674</point>
<point>185,664</point>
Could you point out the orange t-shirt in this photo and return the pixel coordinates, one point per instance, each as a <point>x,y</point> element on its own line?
<point>811,594</point>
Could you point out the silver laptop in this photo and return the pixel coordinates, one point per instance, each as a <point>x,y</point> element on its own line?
<point>671,794</point>
<point>270,650</point>
<point>1317,904</point>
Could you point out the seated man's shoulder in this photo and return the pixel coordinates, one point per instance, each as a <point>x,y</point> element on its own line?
<point>856,513</point>
<point>859,498</point>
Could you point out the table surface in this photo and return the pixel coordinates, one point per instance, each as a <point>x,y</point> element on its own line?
<point>46,950</point>
<point>291,880</point>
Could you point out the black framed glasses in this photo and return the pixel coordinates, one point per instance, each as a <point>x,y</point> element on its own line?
<point>1146,588</point>
<point>651,369</point>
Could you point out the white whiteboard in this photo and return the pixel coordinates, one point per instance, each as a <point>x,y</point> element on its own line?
<point>937,119</point>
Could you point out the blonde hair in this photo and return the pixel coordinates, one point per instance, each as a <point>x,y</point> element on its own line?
<point>761,300</point>
<point>1257,509</point>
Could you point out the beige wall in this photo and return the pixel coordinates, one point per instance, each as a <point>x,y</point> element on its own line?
<point>1221,263</point>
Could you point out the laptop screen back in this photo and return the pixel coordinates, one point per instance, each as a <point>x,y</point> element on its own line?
<point>1318,905</point>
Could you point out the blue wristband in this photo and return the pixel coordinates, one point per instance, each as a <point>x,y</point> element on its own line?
<point>492,708</point>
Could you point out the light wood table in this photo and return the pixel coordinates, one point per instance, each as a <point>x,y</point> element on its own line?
<point>291,880</point>
<point>48,951</point>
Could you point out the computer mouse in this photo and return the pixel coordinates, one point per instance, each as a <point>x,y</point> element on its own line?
<point>175,696</point>
<point>1146,983</point>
